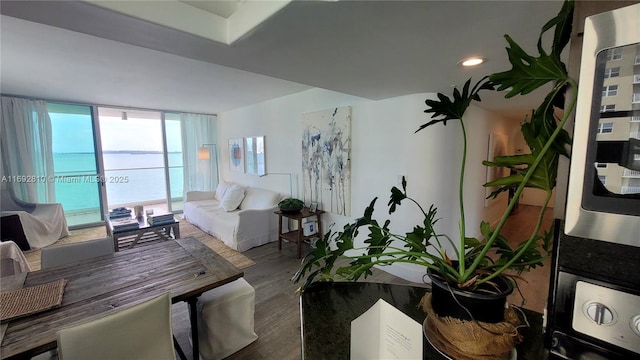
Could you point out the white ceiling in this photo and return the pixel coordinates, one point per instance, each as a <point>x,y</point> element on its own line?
<point>371,49</point>
<point>220,8</point>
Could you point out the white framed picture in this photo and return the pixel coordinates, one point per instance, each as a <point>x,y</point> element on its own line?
<point>254,155</point>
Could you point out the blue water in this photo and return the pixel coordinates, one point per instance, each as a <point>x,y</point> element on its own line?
<point>125,181</point>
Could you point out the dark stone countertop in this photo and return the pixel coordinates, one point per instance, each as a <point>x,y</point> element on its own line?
<point>327,310</point>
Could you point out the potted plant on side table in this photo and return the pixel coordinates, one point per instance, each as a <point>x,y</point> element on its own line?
<point>290,205</point>
<point>460,280</point>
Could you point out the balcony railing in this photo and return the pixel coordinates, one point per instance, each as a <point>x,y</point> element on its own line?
<point>630,189</point>
<point>141,185</point>
<point>635,118</point>
<point>631,173</point>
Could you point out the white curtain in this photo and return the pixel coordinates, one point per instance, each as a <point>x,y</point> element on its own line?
<point>27,151</point>
<point>199,130</point>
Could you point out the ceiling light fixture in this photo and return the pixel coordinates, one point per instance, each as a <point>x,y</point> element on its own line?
<point>472,61</point>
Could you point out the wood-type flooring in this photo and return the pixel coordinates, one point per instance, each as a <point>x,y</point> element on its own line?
<point>277,312</point>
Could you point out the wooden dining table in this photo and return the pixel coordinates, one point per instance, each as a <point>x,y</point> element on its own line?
<point>100,286</point>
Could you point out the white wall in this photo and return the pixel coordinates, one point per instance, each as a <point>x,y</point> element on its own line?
<point>384,147</point>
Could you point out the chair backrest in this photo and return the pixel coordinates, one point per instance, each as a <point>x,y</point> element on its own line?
<point>10,202</point>
<point>140,332</point>
<point>72,253</point>
<point>12,260</point>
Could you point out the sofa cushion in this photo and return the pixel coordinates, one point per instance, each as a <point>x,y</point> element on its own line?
<point>256,198</point>
<point>223,186</point>
<point>232,198</point>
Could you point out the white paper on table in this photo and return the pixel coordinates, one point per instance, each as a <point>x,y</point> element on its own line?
<point>384,332</point>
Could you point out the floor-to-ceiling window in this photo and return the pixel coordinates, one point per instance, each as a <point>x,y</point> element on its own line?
<point>75,163</point>
<point>107,157</point>
<point>175,166</point>
<point>133,155</point>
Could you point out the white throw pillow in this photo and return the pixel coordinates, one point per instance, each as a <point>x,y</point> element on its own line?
<point>232,198</point>
<point>223,186</point>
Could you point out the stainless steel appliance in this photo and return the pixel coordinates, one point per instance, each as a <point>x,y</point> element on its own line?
<point>594,303</point>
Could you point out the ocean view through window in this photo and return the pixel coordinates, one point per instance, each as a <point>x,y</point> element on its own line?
<point>133,155</point>
<point>139,154</point>
<point>74,163</point>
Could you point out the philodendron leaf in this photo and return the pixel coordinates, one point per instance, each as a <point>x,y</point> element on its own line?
<point>529,73</point>
<point>368,212</point>
<point>321,257</point>
<point>378,239</point>
<point>396,199</point>
<point>536,133</point>
<point>415,241</point>
<point>486,231</point>
<point>470,242</point>
<point>562,34</point>
<point>445,108</point>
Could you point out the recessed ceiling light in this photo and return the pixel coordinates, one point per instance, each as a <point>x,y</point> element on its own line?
<point>472,61</point>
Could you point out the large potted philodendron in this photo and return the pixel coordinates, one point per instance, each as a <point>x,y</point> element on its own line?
<point>477,274</point>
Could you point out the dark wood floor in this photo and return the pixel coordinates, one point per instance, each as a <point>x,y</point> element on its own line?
<point>277,311</point>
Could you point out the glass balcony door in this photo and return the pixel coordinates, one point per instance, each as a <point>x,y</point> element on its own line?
<point>175,166</point>
<point>134,154</point>
<point>76,167</point>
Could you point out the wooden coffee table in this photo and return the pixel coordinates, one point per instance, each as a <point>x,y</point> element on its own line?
<point>143,234</point>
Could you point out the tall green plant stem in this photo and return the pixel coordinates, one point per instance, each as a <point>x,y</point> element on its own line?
<point>461,258</point>
<point>533,236</point>
<point>530,171</point>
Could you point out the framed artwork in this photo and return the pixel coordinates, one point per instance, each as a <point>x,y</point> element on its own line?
<point>254,155</point>
<point>326,159</point>
<point>313,207</point>
<point>236,155</point>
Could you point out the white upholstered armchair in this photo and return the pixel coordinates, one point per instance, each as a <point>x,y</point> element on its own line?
<point>30,225</point>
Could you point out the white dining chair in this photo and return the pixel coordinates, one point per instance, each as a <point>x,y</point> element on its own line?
<point>71,253</point>
<point>141,332</point>
<point>12,260</point>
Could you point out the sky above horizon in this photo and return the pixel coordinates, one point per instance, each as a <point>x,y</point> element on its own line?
<point>73,133</point>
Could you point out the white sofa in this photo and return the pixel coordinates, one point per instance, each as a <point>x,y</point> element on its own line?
<point>242,217</point>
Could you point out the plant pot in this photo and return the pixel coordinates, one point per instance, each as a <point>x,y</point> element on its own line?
<point>290,205</point>
<point>291,211</point>
<point>448,300</point>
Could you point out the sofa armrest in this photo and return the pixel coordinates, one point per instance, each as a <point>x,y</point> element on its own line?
<point>199,195</point>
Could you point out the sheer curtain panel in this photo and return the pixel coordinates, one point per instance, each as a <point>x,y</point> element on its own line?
<point>198,130</point>
<point>27,151</point>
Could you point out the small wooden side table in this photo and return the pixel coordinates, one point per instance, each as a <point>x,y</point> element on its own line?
<point>297,236</point>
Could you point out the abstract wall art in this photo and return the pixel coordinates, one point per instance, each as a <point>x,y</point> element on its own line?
<point>236,155</point>
<point>326,168</point>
